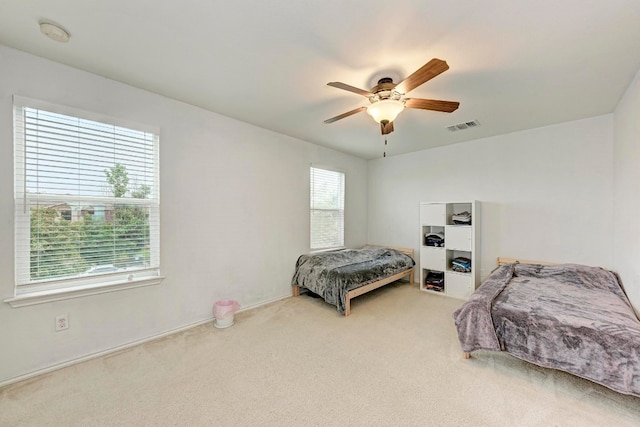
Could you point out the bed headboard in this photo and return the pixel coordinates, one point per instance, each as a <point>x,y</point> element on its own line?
<point>503,261</point>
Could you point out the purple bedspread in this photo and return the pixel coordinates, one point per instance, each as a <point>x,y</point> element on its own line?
<point>568,317</point>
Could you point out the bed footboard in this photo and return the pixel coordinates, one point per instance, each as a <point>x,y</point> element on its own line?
<point>375,285</point>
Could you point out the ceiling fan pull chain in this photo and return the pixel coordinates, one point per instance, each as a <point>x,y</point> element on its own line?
<point>384,154</point>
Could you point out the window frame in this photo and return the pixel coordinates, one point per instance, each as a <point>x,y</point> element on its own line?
<point>341,208</point>
<point>39,291</point>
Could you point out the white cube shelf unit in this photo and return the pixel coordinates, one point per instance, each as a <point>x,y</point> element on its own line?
<point>460,240</point>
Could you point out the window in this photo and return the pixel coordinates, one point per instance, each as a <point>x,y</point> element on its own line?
<point>86,199</point>
<point>327,209</point>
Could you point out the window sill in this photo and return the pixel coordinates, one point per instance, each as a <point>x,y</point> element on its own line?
<point>42,297</point>
<point>317,251</point>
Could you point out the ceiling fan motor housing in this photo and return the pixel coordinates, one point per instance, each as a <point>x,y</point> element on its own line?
<point>384,90</point>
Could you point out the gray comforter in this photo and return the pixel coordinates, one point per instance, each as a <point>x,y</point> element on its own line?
<point>568,317</point>
<point>334,273</point>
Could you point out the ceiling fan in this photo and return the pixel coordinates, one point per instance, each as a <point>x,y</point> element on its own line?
<point>387,98</point>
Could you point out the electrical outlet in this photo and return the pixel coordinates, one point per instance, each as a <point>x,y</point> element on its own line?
<point>62,322</point>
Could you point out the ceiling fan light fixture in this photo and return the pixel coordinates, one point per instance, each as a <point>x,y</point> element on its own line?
<point>386,110</point>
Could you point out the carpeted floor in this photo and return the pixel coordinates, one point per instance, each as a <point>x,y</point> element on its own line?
<point>394,362</point>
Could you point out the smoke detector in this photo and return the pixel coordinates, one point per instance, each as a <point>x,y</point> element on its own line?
<point>54,31</point>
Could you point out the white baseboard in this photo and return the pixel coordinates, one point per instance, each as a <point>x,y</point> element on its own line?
<point>125,346</point>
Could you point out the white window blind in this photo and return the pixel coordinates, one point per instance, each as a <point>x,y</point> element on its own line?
<point>327,209</point>
<point>86,198</point>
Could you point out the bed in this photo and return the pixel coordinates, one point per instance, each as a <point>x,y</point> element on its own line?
<point>569,317</point>
<point>341,275</point>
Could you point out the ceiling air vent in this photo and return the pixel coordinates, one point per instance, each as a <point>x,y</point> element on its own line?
<point>463,126</point>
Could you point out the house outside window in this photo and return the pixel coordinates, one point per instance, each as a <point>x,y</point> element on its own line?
<point>327,209</point>
<point>87,199</point>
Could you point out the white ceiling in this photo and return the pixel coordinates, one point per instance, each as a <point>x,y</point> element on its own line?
<point>514,64</point>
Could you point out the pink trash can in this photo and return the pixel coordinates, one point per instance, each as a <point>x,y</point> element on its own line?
<point>223,311</point>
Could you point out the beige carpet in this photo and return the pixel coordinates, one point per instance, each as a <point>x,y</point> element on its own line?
<point>394,362</point>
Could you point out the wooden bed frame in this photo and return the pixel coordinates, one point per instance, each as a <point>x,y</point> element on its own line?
<point>371,286</point>
<point>503,261</point>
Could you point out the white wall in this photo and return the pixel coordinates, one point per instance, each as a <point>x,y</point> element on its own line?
<point>234,217</point>
<point>626,244</point>
<point>546,193</point>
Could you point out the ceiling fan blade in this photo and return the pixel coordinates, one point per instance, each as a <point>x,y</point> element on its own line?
<point>432,104</point>
<point>343,115</point>
<point>386,128</point>
<point>345,86</point>
<point>424,74</point>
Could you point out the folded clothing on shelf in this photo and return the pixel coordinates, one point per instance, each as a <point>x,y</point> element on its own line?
<point>434,239</point>
<point>462,218</point>
<point>434,281</point>
<point>461,264</point>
